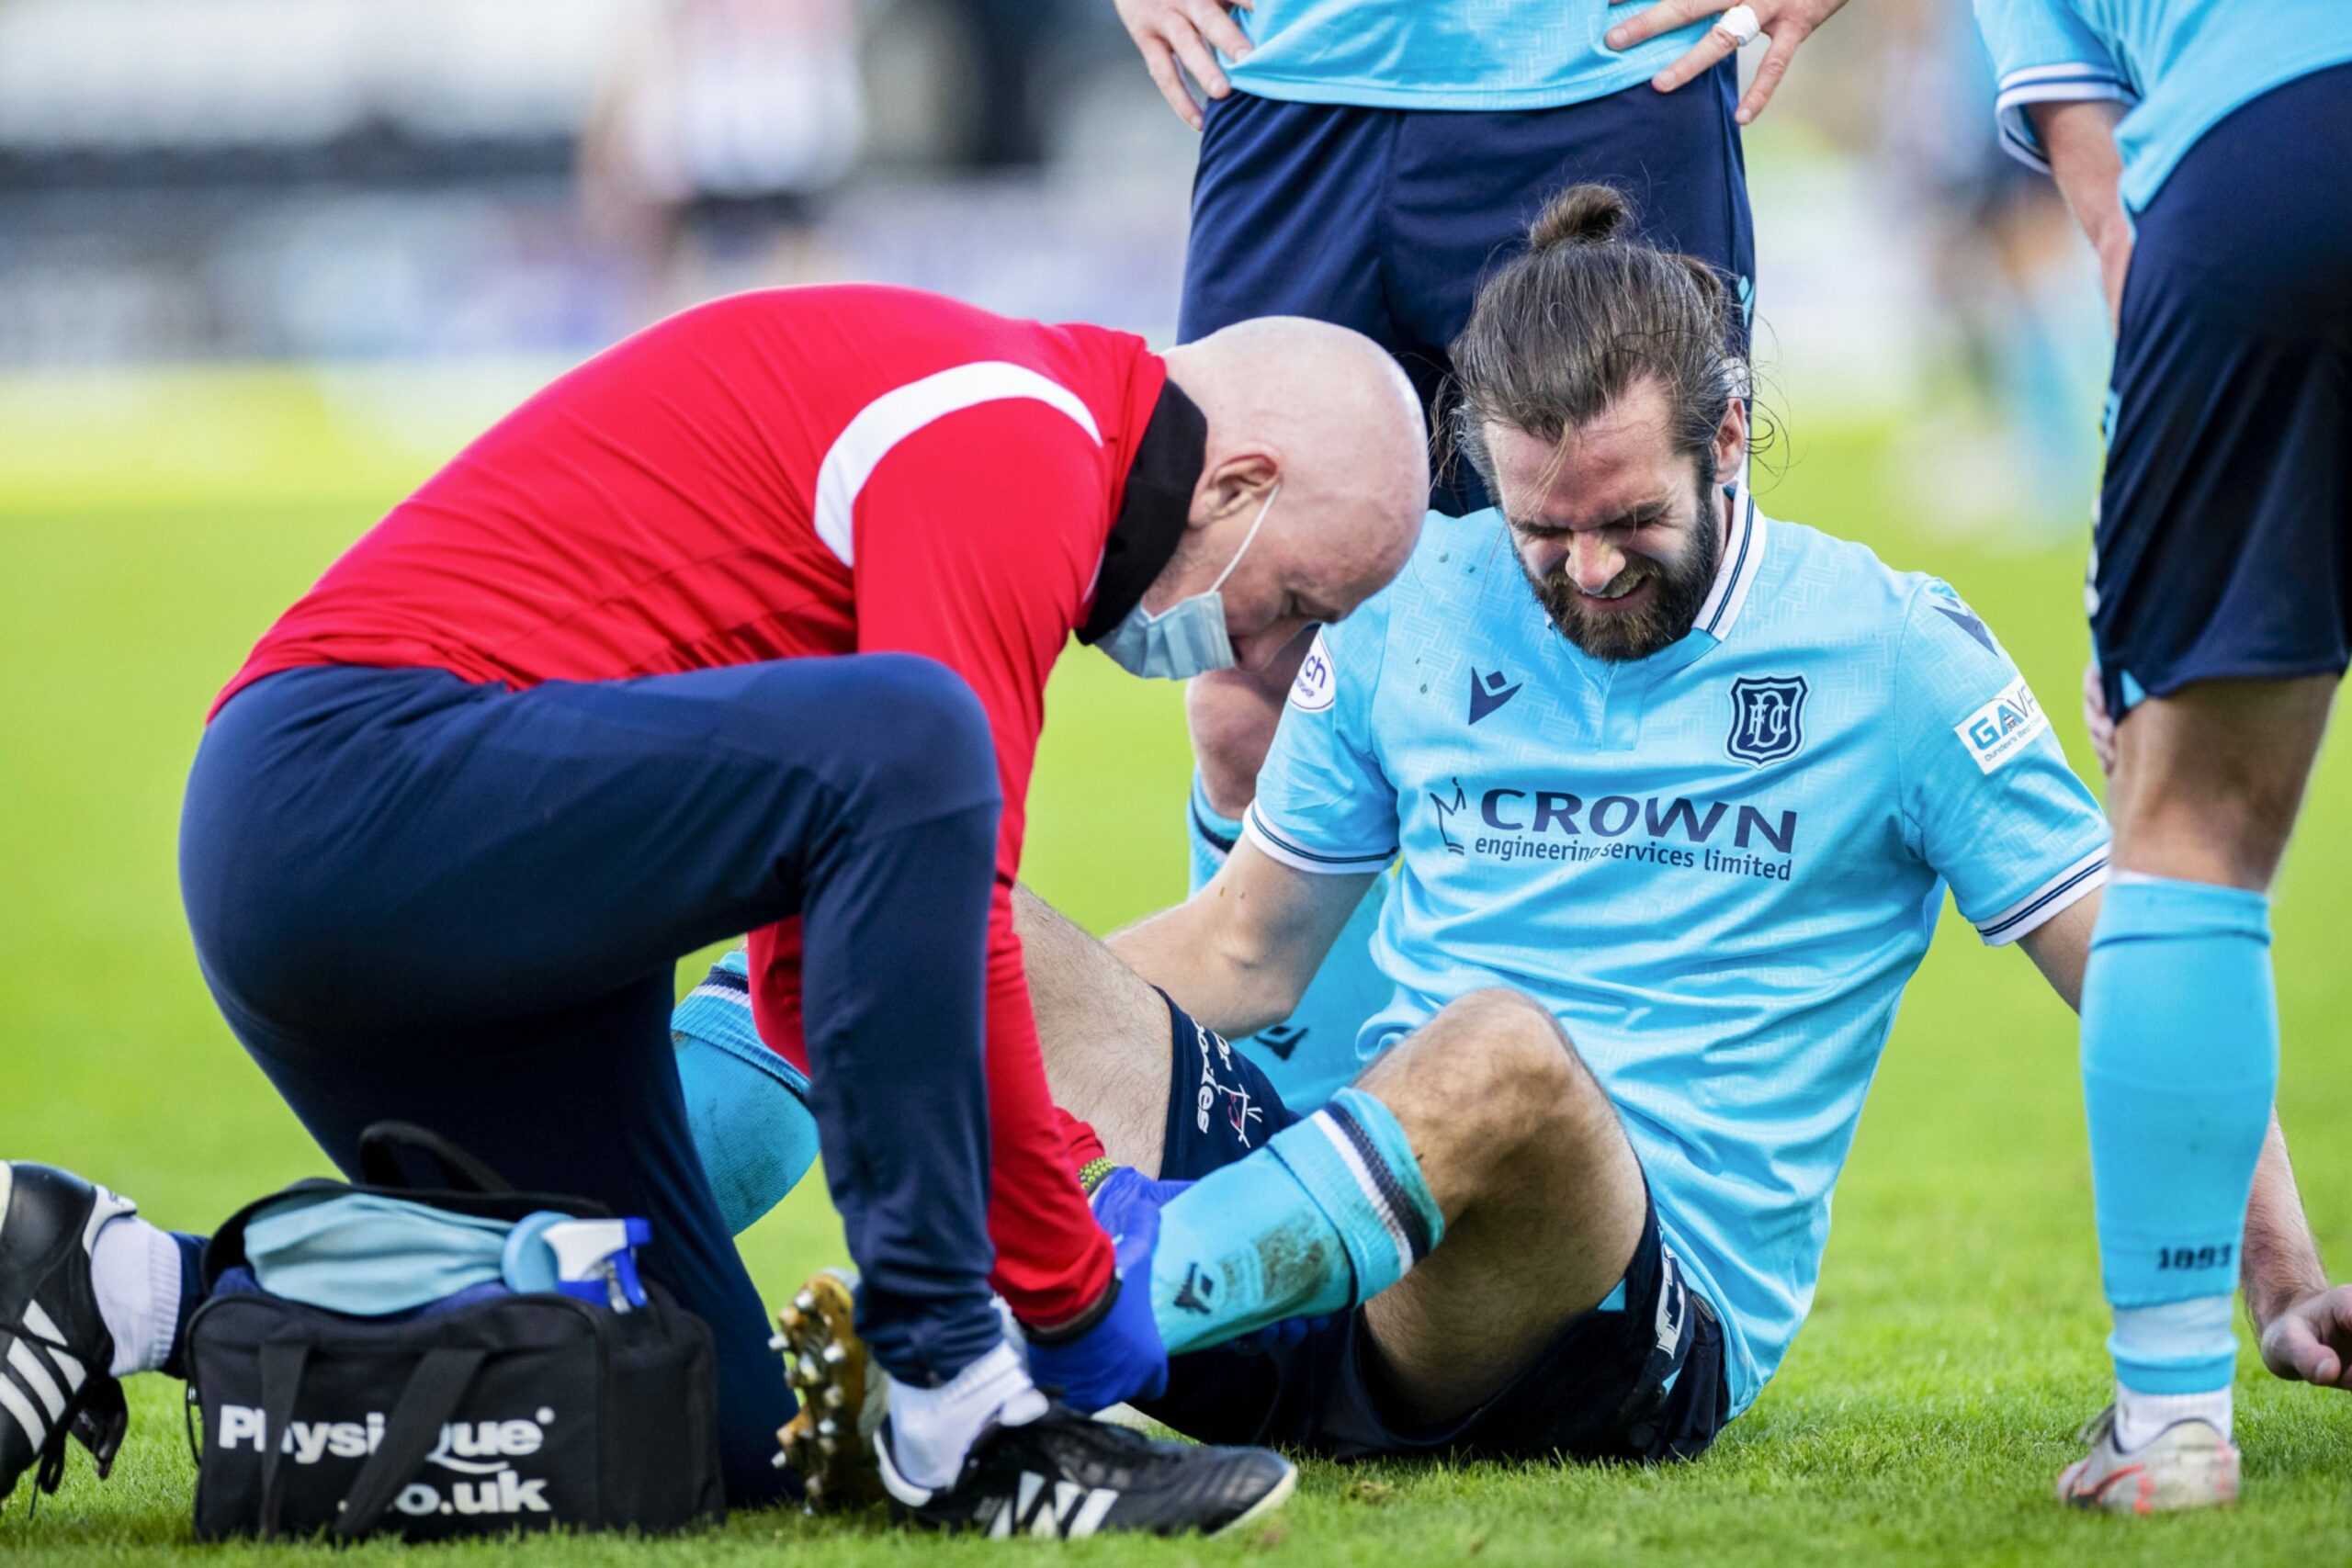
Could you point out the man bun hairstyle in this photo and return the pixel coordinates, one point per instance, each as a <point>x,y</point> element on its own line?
<point>1580,215</point>
<point>1586,311</point>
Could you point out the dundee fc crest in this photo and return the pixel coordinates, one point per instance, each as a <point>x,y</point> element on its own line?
<point>1767,718</point>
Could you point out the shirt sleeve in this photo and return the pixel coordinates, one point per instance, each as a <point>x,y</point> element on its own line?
<point>2043,52</point>
<point>976,540</point>
<point>1324,803</point>
<point>1988,799</point>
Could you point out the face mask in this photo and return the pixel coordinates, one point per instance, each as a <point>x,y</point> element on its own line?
<point>368,1256</point>
<point>1188,638</point>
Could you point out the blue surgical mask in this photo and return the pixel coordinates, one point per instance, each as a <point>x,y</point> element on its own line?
<point>370,1256</point>
<point>1187,638</point>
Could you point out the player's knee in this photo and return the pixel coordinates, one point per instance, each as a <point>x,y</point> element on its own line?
<point>919,733</point>
<point>2235,825</point>
<point>1498,1064</point>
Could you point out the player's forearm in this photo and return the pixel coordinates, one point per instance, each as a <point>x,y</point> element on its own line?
<point>2282,1263</point>
<point>1226,981</point>
<point>2079,138</point>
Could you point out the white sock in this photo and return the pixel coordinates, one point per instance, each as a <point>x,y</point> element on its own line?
<point>933,1428</point>
<point>135,1272</point>
<point>2140,1416</point>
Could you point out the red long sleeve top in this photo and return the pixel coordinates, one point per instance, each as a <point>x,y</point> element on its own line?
<point>792,474</point>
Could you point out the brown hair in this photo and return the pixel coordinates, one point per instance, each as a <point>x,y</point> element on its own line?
<point>1587,310</point>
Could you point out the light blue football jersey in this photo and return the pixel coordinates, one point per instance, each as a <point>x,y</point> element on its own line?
<point>2180,64</point>
<point>1717,865</point>
<point>1444,54</point>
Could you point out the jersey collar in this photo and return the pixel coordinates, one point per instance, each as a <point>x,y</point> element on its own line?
<point>1736,573</point>
<point>1158,498</point>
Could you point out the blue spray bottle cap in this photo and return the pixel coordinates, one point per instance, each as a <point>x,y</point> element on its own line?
<point>592,1259</point>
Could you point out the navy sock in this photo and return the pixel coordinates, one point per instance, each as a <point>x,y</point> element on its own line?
<point>191,1297</point>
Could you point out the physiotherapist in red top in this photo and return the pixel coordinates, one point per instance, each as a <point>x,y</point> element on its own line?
<point>745,624</point>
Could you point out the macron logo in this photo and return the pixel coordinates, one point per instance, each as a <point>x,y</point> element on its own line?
<point>1487,692</point>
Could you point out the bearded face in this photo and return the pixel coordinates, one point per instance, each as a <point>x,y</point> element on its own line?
<point>1655,600</point>
<point>1616,520</point>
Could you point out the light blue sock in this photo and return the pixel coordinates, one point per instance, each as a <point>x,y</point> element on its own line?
<point>1208,837</point>
<point>1329,1213</point>
<point>747,1107</point>
<point>2180,1063</point>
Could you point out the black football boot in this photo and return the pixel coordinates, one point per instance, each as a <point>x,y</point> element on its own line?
<point>1065,1476</point>
<point>56,1352</point>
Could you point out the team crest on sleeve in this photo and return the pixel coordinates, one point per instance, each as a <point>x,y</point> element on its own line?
<point>1317,685</point>
<point>1996,733</point>
<point>1767,718</point>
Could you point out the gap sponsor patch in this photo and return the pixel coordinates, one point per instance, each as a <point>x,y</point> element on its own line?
<point>2003,727</point>
<point>1317,685</point>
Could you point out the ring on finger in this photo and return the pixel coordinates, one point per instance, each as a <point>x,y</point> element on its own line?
<point>1740,24</point>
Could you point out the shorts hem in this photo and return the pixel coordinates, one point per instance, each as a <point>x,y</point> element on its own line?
<point>2174,682</point>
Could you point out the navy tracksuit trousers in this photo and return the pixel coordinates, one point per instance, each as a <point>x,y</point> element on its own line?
<point>460,906</point>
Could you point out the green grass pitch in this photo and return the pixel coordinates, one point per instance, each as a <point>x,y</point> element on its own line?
<point>146,536</point>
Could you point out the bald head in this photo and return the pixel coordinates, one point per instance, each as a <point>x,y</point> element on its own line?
<point>1325,415</point>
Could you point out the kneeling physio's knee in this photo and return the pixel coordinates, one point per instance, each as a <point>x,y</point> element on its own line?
<point>922,734</point>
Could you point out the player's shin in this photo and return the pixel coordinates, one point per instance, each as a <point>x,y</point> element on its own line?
<point>2180,1062</point>
<point>1330,1213</point>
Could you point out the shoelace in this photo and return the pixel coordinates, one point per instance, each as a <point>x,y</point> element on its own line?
<point>49,1474</point>
<point>1119,1447</point>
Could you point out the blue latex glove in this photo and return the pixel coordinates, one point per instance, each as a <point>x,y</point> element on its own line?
<point>1120,1356</point>
<point>1125,1194</point>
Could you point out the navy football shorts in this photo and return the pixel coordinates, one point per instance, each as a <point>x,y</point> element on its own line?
<point>1641,1383</point>
<point>1386,219</point>
<point>2226,511</point>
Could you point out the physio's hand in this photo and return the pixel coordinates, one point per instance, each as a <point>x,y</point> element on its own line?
<point>1786,22</point>
<point>1169,32</point>
<point>1121,1356</point>
<point>2312,1340</point>
<point>2096,719</point>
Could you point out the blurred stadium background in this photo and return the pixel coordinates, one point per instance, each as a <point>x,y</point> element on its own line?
<point>264,263</point>
<point>444,184</point>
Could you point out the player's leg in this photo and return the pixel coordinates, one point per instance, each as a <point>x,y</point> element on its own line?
<point>1101,1030</point>
<point>1545,1200</point>
<point>2209,780</point>
<point>747,1105</point>
<point>1483,1117</point>
<point>1486,1110</point>
<point>1547,1317</point>
<point>2219,624</point>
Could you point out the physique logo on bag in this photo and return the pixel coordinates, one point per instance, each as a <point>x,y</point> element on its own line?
<point>483,1450</point>
<point>1767,718</point>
